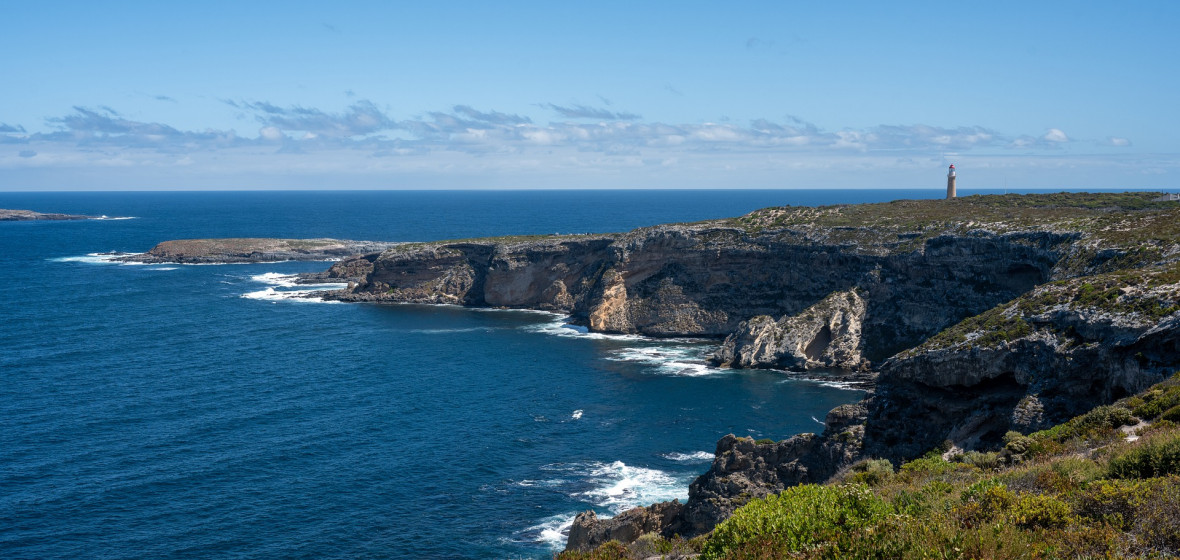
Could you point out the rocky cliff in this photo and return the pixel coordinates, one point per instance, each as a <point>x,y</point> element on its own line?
<point>985,314</point>
<point>7,215</point>
<point>252,250</point>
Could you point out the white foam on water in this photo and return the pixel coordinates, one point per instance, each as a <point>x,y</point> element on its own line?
<point>104,217</point>
<point>99,258</point>
<point>615,486</point>
<point>305,293</point>
<point>577,415</point>
<point>685,361</point>
<point>553,531</point>
<point>620,487</point>
<point>162,268</point>
<point>560,326</point>
<point>277,279</point>
<point>274,296</point>
<point>844,385</point>
<point>693,457</point>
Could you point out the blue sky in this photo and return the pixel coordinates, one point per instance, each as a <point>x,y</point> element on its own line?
<point>244,95</point>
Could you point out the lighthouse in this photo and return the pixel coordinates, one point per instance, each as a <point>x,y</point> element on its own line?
<point>950,182</point>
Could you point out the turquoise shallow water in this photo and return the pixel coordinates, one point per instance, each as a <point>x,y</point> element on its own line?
<point>173,411</point>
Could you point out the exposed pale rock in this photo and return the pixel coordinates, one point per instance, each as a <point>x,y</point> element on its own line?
<point>825,335</point>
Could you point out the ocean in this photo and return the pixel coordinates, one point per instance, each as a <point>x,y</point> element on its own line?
<point>173,411</point>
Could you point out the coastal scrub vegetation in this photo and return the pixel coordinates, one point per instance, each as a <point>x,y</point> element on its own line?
<point>1105,484</point>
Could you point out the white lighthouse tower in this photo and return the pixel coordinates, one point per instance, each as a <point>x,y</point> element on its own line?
<point>950,182</point>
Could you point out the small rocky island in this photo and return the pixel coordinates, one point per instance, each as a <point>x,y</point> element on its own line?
<point>29,215</point>
<point>251,250</point>
<point>980,317</point>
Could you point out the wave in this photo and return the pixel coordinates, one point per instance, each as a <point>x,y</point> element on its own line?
<point>100,258</point>
<point>693,457</point>
<point>277,279</point>
<point>844,385</point>
<point>684,361</point>
<point>615,487</point>
<point>577,415</point>
<point>561,327</point>
<point>274,296</point>
<point>553,531</point>
<point>104,217</point>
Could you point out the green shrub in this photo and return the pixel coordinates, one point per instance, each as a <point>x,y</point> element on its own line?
<point>798,518</point>
<point>1016,443</point>
<point>1098,422</point>
<point>1039,511</point>
<point>1155,455</point>
<point>1155,402</point>
<point>989,460</point>
<point>612,550</point>
<point>1112,501</point>
<point>872,472</point>
<point>931,465</point>
<point>764,441</point>
<point>1171,414</point>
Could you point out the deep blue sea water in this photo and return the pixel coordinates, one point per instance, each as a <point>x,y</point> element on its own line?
<point>171,411</point>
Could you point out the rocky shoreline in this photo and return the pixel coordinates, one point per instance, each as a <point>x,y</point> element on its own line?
<point>969,317</point>
<point>976,316</point>
<point>8,215</point>
<point>252,250</point>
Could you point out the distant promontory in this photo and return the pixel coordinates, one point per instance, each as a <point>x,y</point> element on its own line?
<point>252,250</point>
<point>29,215</point>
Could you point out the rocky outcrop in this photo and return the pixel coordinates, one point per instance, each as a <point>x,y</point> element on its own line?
<point>253,250</point>
<point>825,335</point>
<point>28,215</point>
<point>588,531</point>
<point>1039,360</point>
<point>743,469</point>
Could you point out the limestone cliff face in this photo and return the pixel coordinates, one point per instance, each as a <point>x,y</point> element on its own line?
<point>1040,359</point>
<point>706,280</point>
<point>825,335</point>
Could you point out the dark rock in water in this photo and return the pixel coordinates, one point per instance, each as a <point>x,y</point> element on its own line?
<point>254,250</point>
<point>588,531</point>
<point>27,215</point>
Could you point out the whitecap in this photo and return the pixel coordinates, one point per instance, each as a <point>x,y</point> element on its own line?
<point>620,487</point>
<point>562,327</point>
<point>104,217</point>
<point>277,279</point>
<point>577,415</point>
<point>274,296</point>
<point>686,361</point>
<point>99,258</point>
<point>615,487</point>
<point>553,531</point>
<point>693,457</point>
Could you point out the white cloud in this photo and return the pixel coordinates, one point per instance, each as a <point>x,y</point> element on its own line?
<point>271,133</point>
<point>484,144</point>
<point>1055,135</point>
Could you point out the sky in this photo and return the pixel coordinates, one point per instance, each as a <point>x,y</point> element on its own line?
<point>533,95</point>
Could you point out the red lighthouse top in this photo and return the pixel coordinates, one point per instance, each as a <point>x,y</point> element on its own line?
<point>952,166</point>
